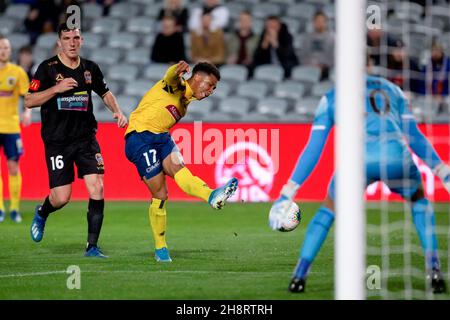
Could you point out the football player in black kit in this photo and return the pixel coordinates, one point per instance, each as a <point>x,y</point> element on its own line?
<point>62,87</point>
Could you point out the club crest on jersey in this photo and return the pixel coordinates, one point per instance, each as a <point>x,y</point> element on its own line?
<point>100,163</point>
<point>88,77</point>
<point>11,81</point>
<point>59,77</point>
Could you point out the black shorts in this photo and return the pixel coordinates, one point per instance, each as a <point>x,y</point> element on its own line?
<point>61,159</point>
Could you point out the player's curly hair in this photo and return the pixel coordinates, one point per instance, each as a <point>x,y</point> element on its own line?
<point>208,68</point>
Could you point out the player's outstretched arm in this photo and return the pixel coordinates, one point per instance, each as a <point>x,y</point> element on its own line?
<point>323,122</point>
<point>175,73</point>
<point>305,164</point>
<point>423,148</point>
<point>111,102</point>
<point>37,99</point>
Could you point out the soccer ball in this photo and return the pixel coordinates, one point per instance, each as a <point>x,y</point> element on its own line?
<point>285,219</point>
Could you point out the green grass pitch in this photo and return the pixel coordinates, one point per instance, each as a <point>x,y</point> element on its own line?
<point>227,254</point>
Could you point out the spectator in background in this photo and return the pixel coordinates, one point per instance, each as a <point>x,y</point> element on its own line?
<point>175,8</point>
<point>42,17</point>
<point>402,70</point>
<point>30,2</point>
<point>208,45</point>
<point>25,60</point>
<point>374,44</point>
<point>377,43</point>
<point>242,43</point>
<point>169,43</point>
<point>318,45</point>
<point>219,13</point>
<point>275,47</point>
<point>2,6</point>
<point>436,73</point>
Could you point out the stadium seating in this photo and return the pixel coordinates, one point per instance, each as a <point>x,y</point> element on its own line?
<point>138,87</point>
<point>106,25</point>
<point>17,11</point>
<point>47,41</point>
<point>156,71</point>
<point>253,89</point>
<point>8,25</point>
<point>106,56</point>
<point>289,89</point>
<point>121,44</point>
<point>123,72</point>
<point>92,40</point>
<point>123,40</point>
<point>270,73</point>
<point>234,73</point>
<point>140,25</point>
<point>19,40</point>
<point>274,108</point>
<point>237,107</point>
<point>91,10</point>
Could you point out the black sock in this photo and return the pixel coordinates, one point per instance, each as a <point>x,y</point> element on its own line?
<point>95,220</point>
<point>47,208</point>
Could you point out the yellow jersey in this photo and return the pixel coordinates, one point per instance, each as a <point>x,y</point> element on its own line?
<point>162,106</point>
<point>14,82</point>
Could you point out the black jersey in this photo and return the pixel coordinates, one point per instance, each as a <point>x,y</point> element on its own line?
<point>68,116</point>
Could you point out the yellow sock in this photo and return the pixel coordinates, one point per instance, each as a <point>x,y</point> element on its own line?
<point>2,205</point>
<point>157,215</point>
<point>192,185</point>
<point>15,186</point>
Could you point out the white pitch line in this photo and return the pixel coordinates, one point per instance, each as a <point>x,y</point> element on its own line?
<point>32,274</point>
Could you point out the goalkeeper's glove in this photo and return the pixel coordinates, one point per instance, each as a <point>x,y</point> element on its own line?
<point>281,206</point>
<point>443,172</point>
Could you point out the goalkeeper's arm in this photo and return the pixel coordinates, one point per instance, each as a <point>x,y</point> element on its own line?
<point>307,161</point>
<point>423,148</point>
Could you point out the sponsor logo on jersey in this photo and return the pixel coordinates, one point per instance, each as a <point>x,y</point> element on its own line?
<point>6,93</point>
<point>174,112</point>
<point>154,166</point>
<point>59,77</point>
<point>79,101</point>
<point>52,63</point>
<point>88,77</point>
<point>34,85</point>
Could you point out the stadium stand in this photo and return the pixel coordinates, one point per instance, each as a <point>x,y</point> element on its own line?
<point>121,43</point>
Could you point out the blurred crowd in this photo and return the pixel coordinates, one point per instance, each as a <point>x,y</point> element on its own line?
<point>217,38</point>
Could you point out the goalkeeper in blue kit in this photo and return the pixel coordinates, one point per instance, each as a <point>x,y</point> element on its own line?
<point>390,131</point>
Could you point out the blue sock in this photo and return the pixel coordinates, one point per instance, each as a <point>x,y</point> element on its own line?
<point>315,236</point>
<point>423,217</point>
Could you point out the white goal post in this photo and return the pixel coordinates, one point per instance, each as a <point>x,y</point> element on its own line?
<point>350,238</point>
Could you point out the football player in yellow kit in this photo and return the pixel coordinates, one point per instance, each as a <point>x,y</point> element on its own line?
<point>14,83</point>
<point>154,153</point>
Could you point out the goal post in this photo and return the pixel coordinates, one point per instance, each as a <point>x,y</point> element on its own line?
<point>350,240</point>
